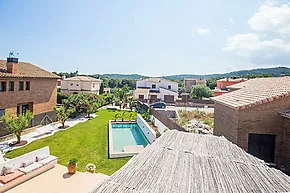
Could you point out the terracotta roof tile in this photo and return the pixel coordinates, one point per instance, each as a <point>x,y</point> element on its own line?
<point>255,92</point>
<point>83,79</point>
<point>25,70</point>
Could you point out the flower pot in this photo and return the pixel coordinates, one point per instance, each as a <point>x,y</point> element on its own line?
<point>91,171</point>
<point>72,168</point>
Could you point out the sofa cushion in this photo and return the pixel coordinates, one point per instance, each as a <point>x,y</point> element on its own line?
<point>11,176</point>
<point>30,168</point>
<point>7,170</point>
<point>40,157</point>
<point>47,160</point>
<point>26,163</point>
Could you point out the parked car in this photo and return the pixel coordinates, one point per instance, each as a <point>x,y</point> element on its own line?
<point>158,105</point>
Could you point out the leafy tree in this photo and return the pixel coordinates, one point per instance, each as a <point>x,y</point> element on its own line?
<point>81,102</point>
<point>15,124</point>
<point>62,114</point>
<point>102,88</point>
<point>61,96</point>
<point>105,82</point>
<point>113,83</point>
<point>91,107</point>
<point>211,82</point>
<point>200,91</point>
<point>108,98</point>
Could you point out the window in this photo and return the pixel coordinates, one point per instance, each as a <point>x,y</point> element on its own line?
<point>169,87</point>
<point>11,86</point>
<point>3,86</point>
<point>2,112</point>
<point>77,84</point>
<point>21,85</point>
<point>153,86</point>
<point>71,84</point>
<point>141,96</point>
<point>27,85</point>
<point>23,108</point>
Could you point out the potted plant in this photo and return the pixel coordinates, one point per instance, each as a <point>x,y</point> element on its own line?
<point>72,166</point>
<point>91,168</point>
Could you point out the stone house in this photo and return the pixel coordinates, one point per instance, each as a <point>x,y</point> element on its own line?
<point>24,86</point>
<point>253,117</point>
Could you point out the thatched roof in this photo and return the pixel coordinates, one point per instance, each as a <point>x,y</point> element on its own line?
<point>185,162</point>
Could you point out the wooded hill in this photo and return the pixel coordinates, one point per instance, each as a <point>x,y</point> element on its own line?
<point>241,73</point>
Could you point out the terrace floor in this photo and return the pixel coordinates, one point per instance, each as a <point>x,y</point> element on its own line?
<point>57,180</point>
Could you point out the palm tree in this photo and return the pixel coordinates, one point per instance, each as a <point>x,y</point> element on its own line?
<point>132,102</point>
<point>131,115</point>
<point>123,115</point>
<point>116,116</point>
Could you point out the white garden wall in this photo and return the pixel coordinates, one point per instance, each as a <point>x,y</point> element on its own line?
<point>160,126</point>
<point>146,129</point>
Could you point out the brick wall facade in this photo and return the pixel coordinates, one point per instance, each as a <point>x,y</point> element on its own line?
<point>264,119</point>
<point>226,122</point>
<point>236,125</point>
<point>286,160</point>
<point>42,95</point>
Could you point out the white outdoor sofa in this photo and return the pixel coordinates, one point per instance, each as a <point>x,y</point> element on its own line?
<point>36,162</point>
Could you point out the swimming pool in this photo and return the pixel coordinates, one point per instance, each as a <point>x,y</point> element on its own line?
<point>127,134</point>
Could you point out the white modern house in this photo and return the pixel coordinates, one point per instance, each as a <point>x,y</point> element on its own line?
<point>81,84</point>
<point>156,89</point>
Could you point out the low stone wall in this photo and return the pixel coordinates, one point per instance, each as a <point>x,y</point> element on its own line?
<point>146,129</point>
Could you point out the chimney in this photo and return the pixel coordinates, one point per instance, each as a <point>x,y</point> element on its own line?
<point>12,65</point>
<point>282,75</point>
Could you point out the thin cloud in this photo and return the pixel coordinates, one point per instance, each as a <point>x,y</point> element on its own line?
<point>202,31</point>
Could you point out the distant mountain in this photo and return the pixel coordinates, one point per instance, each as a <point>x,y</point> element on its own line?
<point>277,71</point>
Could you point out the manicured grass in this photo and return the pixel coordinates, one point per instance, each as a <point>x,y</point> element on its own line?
<point>88,142</point>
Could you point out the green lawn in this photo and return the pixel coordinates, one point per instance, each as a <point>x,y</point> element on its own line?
<point>87,141</point>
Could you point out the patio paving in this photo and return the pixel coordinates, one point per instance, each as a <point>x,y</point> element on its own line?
<point>57,180</point>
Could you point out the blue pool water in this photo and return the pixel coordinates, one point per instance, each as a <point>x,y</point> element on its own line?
<point>127,135</point>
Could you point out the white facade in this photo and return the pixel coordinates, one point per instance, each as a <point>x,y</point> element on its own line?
<point>81,84</point>
<point>156,89</point>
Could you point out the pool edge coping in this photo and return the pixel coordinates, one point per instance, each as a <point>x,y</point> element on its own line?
<point>113,154</point>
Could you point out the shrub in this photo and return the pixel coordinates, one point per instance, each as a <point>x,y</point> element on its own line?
<point>61,96</point>
<point>200,91</point>
<point>73,161</point>
<point>90,167</point>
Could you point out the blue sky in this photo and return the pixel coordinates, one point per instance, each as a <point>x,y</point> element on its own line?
<point>152,37</point>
